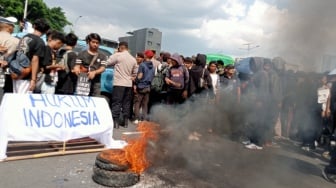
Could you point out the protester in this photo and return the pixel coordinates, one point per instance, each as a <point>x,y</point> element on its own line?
<point>34,47</point>
<point>158,94</point>
<point>267,106</point>
<point>188,62</point>
<point>230,84</point>
<point>200,84</point>
<point>67,78</point>
<point>8,45</point>
<point>177,80</point>
<point>142,86</point>
<point>93,63</point>
<point>139,58</point>
<point>49,67</point>
<point>212,68</point>
<point>125,67</point>
<point>323,99</point>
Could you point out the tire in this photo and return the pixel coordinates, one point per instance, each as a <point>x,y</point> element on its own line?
<point>110,166</point>
<point>114,178</point>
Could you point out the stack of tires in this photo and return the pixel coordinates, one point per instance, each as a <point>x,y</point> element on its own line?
<point>109,173</point>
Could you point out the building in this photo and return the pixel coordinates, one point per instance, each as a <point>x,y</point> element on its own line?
<point>143,39</point>
<point>109,43</point>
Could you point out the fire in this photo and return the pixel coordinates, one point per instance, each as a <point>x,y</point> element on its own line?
<point>134,154</point>
<point>135,151</point>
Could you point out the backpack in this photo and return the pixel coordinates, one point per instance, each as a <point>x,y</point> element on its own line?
<point>19,63</point>
<point>62,59</point>
<point>157,83</point>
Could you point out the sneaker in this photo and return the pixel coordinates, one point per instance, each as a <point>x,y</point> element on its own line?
<point>305,148</point>
<point>136,121</point>
<point>253,146</point>
<point>246,142</point>
<point>326,155</point>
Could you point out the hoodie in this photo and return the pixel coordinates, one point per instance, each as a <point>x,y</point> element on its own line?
<point>148,71</point>
<point>196,72</point>
<point>178,73</point>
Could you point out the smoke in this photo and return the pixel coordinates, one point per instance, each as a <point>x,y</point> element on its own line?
<point>194,136</point>
<point>306,33</point>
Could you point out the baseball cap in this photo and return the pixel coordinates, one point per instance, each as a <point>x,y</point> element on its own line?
<point>8,20</point>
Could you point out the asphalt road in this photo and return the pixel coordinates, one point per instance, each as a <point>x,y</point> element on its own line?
<point>211,161</point>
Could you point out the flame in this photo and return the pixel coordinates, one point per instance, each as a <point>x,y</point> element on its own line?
<point>116,156</point>
<point>134,154</point>
<point>135,151</point>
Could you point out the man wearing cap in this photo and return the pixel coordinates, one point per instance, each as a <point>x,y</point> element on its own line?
<point>6,39</point>
<point>8,45</point>
<point>125,67</point>
<point>142,86</point>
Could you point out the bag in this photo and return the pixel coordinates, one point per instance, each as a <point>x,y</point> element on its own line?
<point>158,81</point>
<point>19,65</point>
<point>83,68</point>
<point>86,69</point>
<point>83,86</point>
<point>202,82</point>
<point>62,59</point>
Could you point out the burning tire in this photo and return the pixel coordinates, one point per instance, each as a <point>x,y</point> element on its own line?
<point>105,161</point>
<point>114,178</point>
<point>103,164</point>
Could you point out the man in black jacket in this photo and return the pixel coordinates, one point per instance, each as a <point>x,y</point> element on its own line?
<point>196,72</point>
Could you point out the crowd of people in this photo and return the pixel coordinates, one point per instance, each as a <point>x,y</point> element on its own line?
<point>304,104</point>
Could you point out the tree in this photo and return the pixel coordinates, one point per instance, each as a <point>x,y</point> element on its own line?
<point>36,9</point>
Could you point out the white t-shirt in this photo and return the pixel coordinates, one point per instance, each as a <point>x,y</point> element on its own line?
<point>215,81</point>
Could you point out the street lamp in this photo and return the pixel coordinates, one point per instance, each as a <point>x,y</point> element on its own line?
<point>25,10</point>
<point>249,47</point>
<point>75,23</point>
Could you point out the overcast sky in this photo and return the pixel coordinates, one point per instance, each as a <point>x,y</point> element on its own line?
<point>270,27</point>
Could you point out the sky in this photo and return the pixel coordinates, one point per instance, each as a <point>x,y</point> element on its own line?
<point>296,30</point>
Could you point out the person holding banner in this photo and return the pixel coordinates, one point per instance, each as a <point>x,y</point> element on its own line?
<point>92,64</point>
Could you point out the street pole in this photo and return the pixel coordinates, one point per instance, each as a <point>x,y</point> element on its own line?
<point>74,25</point>
<point>249,48</point>
<point>25,10</point>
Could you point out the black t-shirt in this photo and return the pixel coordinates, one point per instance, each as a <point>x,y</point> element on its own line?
<point>67,81</point>
<point>84,58</point>
<point>33,45</point>
<point>47,59</point>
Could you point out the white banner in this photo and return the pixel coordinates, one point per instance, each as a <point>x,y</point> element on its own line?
<point>48,117</point>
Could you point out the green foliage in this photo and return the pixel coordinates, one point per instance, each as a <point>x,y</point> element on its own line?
<point>36,9</point>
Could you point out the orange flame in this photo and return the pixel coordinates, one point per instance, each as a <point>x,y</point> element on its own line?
<point>134,154</point>
<point>135,151</point>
